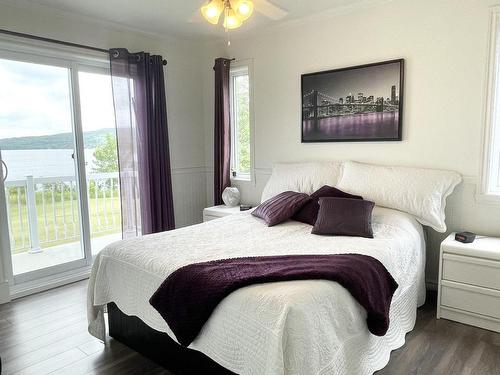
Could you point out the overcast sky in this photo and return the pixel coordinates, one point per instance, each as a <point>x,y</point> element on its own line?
<point>35,100</point>
<point>375,80</point>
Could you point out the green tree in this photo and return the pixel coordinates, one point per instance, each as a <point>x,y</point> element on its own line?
<point>106,156</point>
<point>243,121</point>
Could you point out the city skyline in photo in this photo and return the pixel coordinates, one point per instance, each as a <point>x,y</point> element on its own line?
<point>375,81</point>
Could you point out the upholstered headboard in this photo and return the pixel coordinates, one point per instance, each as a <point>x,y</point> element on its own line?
<point>420,192</point>
<point>302,177</point>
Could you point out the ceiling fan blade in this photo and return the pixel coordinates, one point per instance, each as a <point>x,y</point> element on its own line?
<point>269,10</point>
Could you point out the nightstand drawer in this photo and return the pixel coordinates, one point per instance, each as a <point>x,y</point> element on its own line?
<point>474,271</point>
<point>473,299</point>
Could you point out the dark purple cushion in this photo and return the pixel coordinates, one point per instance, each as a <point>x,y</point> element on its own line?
<point>344,217</point>
<point>280,207</point>
<point>309,212</point>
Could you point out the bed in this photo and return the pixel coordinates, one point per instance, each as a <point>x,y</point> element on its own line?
<point>296,327</point>
<point>308,327</point>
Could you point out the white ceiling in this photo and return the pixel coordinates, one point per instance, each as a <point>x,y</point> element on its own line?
<point>182,17</point>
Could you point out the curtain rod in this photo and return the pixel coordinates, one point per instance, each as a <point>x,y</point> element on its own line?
<point>50,40</point>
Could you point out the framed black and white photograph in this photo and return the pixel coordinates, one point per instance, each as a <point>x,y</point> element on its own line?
<point>360,103</point>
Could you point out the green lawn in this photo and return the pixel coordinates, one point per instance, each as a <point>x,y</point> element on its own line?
<point>60,225</point>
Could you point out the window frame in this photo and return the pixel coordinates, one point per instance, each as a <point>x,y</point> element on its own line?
<point>236,69</point>
<point>490,160</point>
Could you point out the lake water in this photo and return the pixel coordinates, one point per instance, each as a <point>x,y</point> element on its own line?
<point>42,163</point>
<point>362,126</point>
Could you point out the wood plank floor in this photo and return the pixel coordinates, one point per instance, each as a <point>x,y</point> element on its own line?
<point>46,334</point>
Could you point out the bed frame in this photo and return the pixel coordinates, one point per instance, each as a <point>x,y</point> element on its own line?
<point>159,347</point>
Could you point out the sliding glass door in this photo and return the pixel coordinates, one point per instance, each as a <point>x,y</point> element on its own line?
<point>58,148</point>
<point>37,143</point>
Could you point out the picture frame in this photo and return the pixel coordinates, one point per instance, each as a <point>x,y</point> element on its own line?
<point>362,103</point>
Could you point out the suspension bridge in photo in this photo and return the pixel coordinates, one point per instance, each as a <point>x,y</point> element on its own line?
<point>318,105</point>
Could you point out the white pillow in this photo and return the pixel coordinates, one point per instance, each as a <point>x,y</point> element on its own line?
<point>419,192</point>
<point>301,177</point>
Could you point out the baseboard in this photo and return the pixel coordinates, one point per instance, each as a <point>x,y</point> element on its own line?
<point>4,292</point>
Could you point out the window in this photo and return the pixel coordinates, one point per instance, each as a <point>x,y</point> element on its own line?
<point>491,168</point>
<point>61,197</point>
<point>241,129</point>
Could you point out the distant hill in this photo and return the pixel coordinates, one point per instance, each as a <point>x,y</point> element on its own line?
<point>54,141</point>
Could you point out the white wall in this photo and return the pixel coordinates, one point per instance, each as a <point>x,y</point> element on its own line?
<point>183,81</point>
<point>444,44</point>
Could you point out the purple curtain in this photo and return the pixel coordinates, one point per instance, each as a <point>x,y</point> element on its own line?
<point>222,129</point>
<point>142,137</point>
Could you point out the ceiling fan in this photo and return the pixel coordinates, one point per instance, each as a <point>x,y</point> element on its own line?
<point>235,12</point>
<point>270,10</point>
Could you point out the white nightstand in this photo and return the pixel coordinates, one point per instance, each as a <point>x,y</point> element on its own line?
<point>469,282</point>
<point>215,212</point>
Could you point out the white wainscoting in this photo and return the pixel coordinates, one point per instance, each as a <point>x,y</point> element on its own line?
<point>190,195</point>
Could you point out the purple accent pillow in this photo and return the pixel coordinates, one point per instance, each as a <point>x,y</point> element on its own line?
<point>309,212</point>
<point>344,217</point>
<point>280,207</point>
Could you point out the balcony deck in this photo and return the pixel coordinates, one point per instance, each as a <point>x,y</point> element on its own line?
<point>44,213</point>
<point>27,262</point>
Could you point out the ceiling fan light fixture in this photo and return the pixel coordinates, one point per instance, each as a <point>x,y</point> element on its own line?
<point>244,8</point>
<point>232,19</point>
<point>212,11</point>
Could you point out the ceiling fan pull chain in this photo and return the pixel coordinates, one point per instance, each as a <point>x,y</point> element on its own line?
<point>226,28</point>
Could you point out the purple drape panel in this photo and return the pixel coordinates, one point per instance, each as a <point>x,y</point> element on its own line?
<point>222,130</point>
<point>143,148</point>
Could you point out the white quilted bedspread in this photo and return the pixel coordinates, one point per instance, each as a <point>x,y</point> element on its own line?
<point>295,327</point>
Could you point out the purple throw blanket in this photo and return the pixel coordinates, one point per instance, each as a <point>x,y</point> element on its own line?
<point>187,298</point>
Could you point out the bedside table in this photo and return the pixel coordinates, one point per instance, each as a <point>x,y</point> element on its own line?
<point>216,212</point>
<point>469,282</point>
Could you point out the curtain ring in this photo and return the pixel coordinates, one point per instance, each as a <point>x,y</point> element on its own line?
<point>116,53</point>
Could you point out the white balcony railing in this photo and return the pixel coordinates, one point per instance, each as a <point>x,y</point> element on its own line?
<point>44,212</point>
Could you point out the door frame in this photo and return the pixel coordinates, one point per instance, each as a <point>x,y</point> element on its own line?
<point>75,60</point>
<point>5,259</point>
